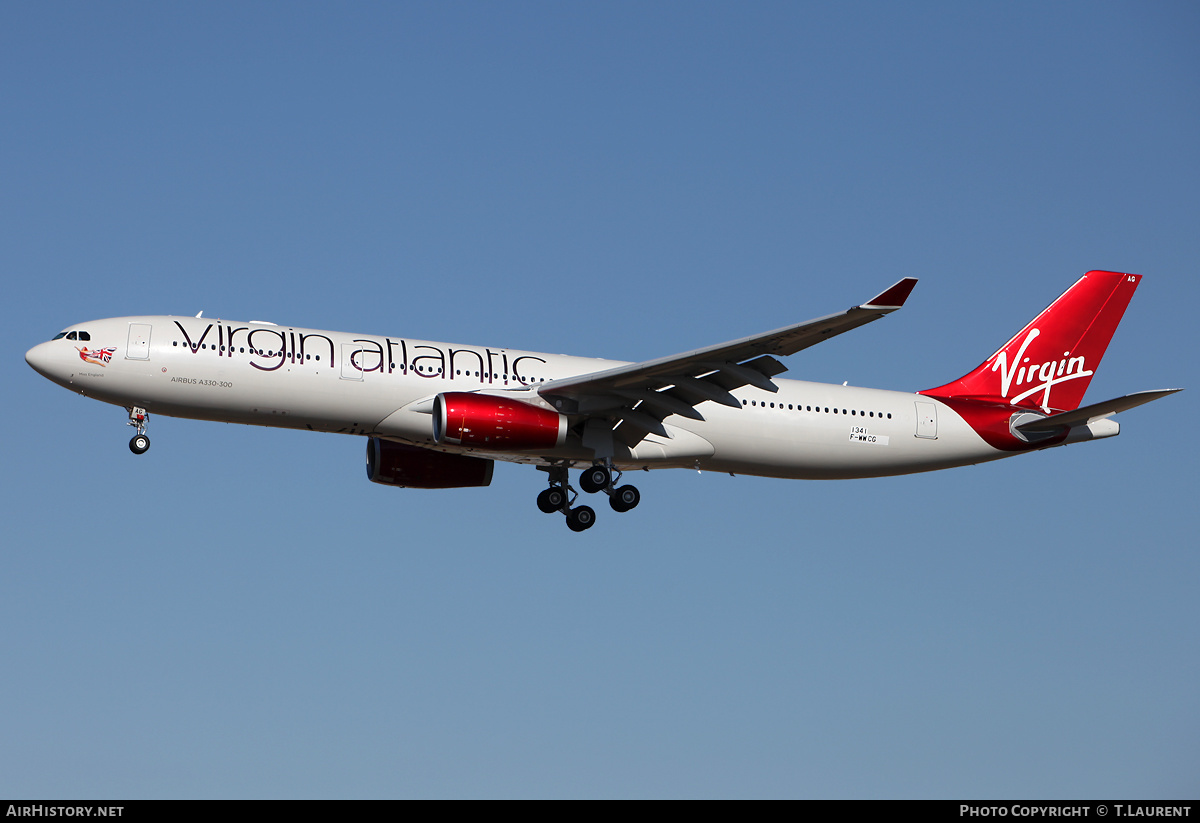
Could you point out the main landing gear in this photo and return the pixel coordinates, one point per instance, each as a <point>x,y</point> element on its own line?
<point>560,495</point>
<point>600,479</point>
<point>140,442</point>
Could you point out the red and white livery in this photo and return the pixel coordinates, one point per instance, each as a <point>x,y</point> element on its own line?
<point>438,415</point>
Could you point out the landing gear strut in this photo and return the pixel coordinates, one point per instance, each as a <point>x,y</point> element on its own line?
<point>598,478</point>
<point>560,496</point>
<point>140,442</point>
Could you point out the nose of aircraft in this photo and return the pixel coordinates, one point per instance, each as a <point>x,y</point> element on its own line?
<point>41,358</point>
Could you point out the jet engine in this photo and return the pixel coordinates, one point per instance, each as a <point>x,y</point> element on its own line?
<point>484,421</point>
<point>398,464</point>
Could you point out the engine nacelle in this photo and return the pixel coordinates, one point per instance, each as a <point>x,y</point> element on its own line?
<point>398,464</point>
<point>484,421</point>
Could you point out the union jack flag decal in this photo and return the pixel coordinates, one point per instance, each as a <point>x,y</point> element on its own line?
<point>100,357</point>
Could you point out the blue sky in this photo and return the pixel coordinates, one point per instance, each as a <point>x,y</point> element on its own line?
<point>239,613</point>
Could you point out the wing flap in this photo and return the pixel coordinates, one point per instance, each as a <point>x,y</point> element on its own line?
<point>661,402</point>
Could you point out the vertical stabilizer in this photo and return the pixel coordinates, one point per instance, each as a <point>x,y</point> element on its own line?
<point>1049,363</point>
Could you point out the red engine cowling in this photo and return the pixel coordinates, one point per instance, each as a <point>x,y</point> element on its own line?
<point>485,421</point>
<point>398,464</point>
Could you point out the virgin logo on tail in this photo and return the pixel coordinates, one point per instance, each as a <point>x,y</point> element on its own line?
<point>1050,373</point>
<point>1079,324</point>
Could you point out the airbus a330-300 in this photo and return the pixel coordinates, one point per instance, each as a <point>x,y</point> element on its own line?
<point>437,415</point>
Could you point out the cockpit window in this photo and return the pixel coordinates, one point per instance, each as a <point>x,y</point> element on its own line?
<point>71,336</point>
<point>59,336</point>
<point>84,336</point>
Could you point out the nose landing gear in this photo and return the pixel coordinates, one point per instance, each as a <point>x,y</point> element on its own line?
<point>140,442</point>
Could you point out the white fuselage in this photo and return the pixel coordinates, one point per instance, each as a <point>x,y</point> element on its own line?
<point>269,375</point>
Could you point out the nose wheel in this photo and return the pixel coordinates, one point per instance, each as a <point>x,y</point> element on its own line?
<point>140,443</point>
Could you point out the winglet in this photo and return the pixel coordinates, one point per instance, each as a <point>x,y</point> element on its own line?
<point>894,297</point>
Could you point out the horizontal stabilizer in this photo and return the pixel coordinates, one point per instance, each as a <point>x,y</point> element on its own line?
<point>1096,411</point>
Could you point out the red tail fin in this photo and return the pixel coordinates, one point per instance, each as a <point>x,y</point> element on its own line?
<point>1049,363</point>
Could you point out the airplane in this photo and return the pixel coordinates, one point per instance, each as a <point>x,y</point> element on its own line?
<point>438,415</point>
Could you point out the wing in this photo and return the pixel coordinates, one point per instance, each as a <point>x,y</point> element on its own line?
<point>639,396</point>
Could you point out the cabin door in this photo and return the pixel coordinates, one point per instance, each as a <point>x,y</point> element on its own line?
<point>352,367</point>
<point>926,420</point>
<point>138,346</point>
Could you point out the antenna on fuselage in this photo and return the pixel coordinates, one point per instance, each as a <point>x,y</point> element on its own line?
<point>199,312</point>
